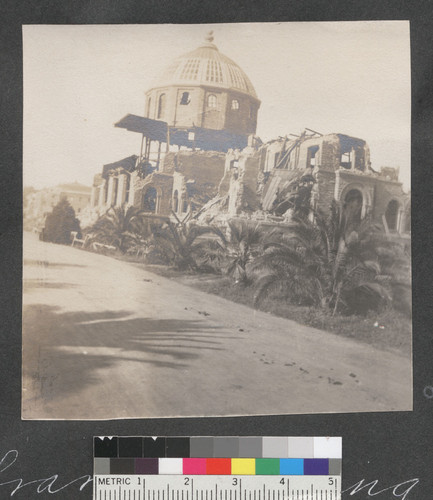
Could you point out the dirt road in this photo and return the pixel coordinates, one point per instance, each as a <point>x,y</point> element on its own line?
<point>107,339</point>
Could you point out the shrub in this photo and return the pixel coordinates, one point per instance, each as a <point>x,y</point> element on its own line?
<point>59,224</point>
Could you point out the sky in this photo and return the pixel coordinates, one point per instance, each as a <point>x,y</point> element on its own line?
<point>343,77</point>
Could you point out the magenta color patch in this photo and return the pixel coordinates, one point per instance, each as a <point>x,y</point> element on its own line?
<point>194,466</point>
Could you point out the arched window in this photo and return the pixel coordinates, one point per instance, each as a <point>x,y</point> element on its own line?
<point>149,103</point>
<point>185,99</point>
<point>235,104</point>
<point>211,101</point>
<point>352,207</point>
<point>175,201</point>
<point>391,215</point>
<point>149,200</point>
<point>161,106</point>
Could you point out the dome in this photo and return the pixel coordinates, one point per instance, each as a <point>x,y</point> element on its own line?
<point>207,66</point>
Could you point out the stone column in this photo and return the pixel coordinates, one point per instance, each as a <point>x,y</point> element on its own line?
<point>353,158</point>
<point>132,182</point>
<point>102,191</point>
<point>337,186</point>
<point>121,190</point>
<point>400,220</point>
<point>93,196</point>
<point>110,194</point>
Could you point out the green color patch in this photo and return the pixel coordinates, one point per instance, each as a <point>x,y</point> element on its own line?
<point>267,466</point>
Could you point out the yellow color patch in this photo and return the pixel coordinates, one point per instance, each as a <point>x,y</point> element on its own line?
<point>243,466</point>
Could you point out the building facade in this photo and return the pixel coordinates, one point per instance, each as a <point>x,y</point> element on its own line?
<point>200,157</point>
<point>42,202</point>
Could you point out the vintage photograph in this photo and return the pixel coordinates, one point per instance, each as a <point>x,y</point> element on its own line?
<point>217,220</point>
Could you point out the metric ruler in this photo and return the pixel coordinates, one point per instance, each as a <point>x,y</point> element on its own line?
<point>217,468</point>
<point>173,487</point>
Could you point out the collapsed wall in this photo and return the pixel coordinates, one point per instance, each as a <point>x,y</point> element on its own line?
<point>185,181</point>
<point>305,173</point>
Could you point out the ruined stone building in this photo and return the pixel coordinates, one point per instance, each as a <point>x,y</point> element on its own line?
<point>202,106</point>
<point>261,182</point>
<point>200,158</point>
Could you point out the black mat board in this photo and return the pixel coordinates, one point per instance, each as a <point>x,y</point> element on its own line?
<point>52,459</point>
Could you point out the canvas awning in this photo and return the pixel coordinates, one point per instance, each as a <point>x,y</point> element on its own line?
<point>155,130</point>
<point>193,137</point>
<point>127,163</point>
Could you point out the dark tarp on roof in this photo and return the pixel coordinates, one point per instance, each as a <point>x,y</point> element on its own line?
<point>347,142</point>
<point>126,163</point>
<point>155,130</point>
<point>208,140</point>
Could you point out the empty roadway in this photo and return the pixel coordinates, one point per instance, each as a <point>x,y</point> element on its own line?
<point>103,338</point>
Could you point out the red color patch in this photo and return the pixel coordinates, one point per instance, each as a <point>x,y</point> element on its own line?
<point>220,466</point>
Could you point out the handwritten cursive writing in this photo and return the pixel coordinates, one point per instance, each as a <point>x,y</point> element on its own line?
<point>48,485</point>
<point>400,490</point>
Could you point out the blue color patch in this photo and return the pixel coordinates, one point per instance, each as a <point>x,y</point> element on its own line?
<point>316,466</point>
<point>292,466</point>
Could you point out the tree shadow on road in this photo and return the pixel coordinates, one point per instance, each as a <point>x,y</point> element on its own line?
<point>46,263</point>
<point>36,284</point>
<point>63,353</point>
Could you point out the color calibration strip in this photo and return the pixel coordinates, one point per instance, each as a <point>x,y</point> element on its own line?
<point>218,456</point>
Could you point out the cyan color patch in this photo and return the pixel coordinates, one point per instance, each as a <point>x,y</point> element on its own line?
<point>291,466</point>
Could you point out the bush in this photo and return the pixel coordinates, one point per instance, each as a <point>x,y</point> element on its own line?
<point>59,224</point>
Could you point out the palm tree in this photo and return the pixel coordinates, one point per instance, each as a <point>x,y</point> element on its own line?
<point>235,252</point>
<point>324,262</point>
<point>182,244</point>
<point>118,226</point>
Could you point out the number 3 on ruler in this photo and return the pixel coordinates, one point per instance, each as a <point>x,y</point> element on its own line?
<point>235,481</point>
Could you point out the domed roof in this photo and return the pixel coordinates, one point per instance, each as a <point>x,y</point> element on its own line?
<point>206,66</point>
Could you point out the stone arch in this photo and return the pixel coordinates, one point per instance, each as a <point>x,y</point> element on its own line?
<point>352,205</point>
<point>150,200</point>
<point>365,193</point>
